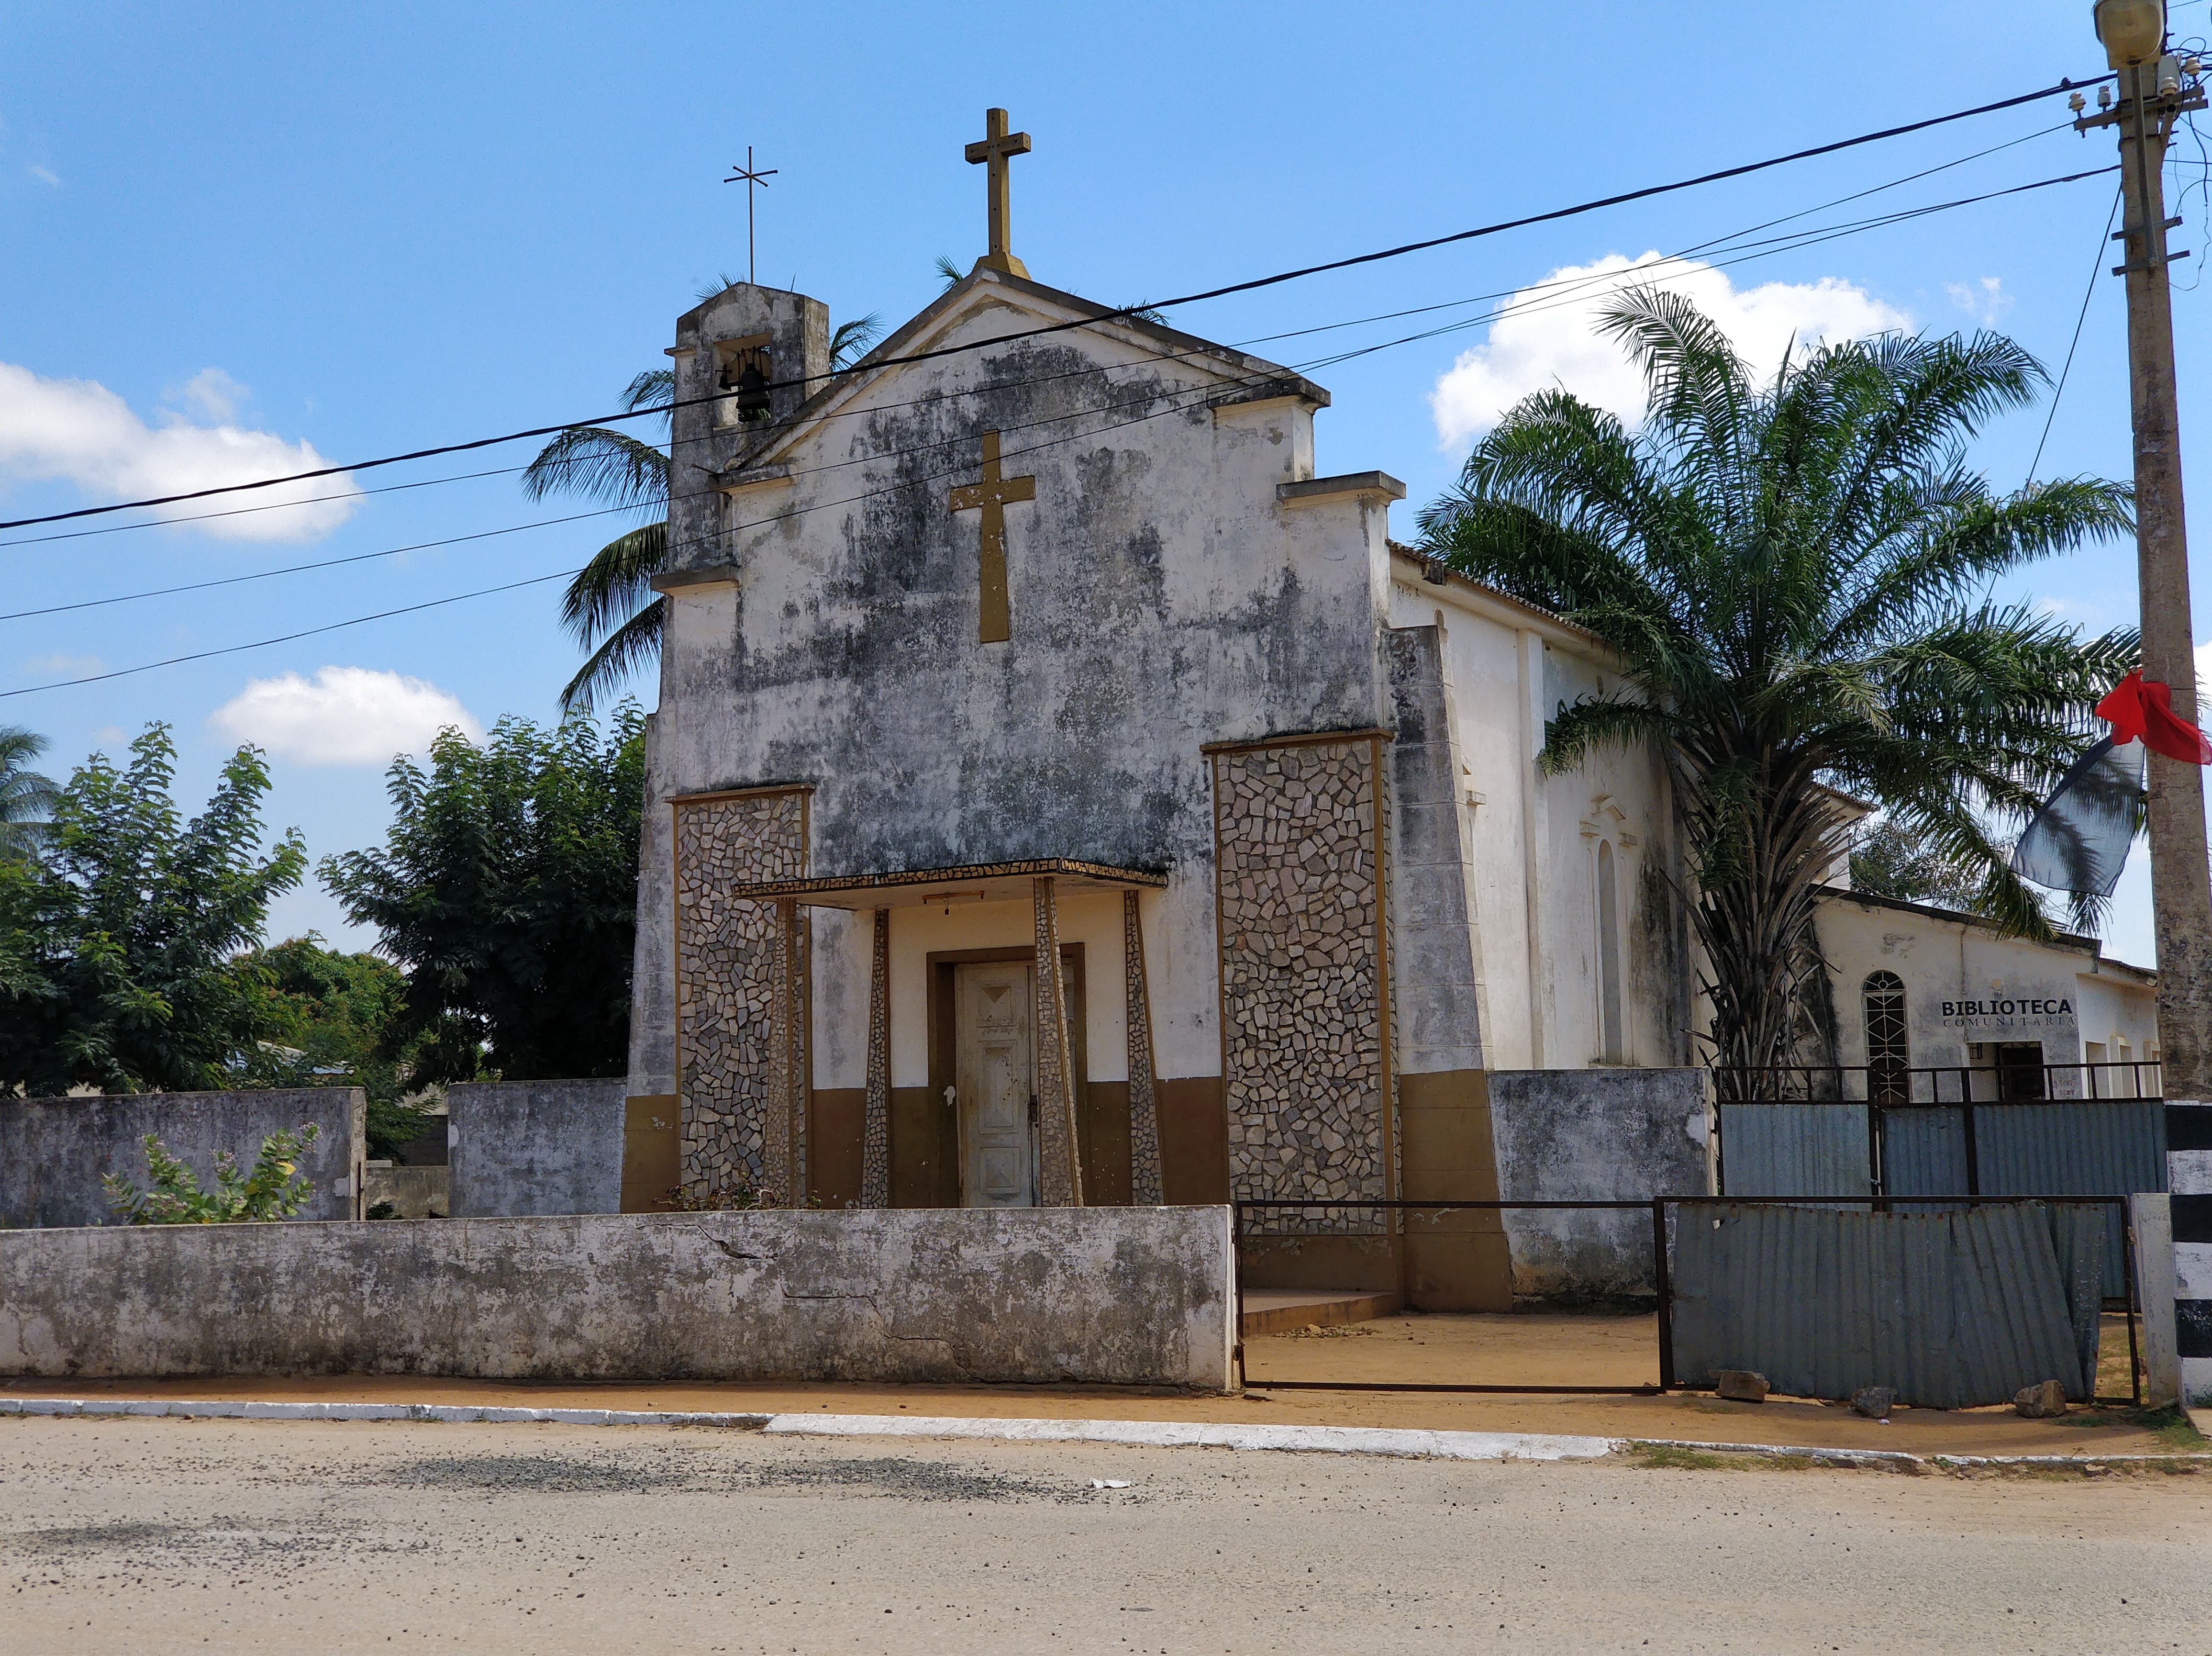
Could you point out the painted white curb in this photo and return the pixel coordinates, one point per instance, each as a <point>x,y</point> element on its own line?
<point>1180,1435</point>
<point>1164,1434</point>
<point>1153,1434</point>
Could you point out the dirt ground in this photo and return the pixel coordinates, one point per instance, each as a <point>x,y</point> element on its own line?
<point>1516,1350</point>
<point>164,1536</point>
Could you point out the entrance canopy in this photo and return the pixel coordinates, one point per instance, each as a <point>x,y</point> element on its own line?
<point>982,882</point>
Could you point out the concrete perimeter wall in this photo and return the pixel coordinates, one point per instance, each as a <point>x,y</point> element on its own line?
<point>1585,1135</point>
<point>54,1152</point>
<point>1112,1296</point>
<point>521,1147</point>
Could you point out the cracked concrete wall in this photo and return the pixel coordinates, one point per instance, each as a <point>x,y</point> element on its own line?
<point>54,1152</point>
<point>1593,1136</point>
<point>1101,1295</point>
<point>535,1148</point>
<point>1163,596</point>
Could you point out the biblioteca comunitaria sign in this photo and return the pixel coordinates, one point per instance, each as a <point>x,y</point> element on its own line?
<point>2020,1012</point>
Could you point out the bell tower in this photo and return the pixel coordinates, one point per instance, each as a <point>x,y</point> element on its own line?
<point>746,360</point>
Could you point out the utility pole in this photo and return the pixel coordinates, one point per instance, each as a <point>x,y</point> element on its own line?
<point>2154,88</point>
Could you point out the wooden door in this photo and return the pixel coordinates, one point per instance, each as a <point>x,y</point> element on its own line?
<point>995,1079</point>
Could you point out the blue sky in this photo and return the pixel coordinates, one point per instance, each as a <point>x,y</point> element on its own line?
<point>231,231</point>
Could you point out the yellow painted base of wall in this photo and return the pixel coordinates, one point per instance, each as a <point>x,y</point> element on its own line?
<point>652,1164</point>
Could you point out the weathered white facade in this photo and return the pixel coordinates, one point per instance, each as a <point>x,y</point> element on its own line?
<point>1975,999</point>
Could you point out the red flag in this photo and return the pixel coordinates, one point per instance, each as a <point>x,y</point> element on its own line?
<point>2144,712</point>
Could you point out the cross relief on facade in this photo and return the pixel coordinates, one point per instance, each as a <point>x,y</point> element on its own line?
<point>990,498</point>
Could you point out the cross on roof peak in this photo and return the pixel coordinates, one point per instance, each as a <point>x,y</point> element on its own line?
<point>997,148</point>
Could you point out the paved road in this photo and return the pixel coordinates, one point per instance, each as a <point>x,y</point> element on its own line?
<point>156,1535</point>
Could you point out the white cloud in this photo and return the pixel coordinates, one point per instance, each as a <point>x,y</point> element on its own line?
<point>1985,300</point>
<point>2204,672</point>
<point>42,175</point>
<point>80,430</point>
<point>215,394</point>
<point>1548,336</point>
<point>343,716</point>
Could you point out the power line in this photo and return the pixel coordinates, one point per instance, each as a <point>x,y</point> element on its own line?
<point>1213,393</point>
<point>1572,290</point>
<point>273,505</point>
<point>1685,253</point>
<point>1248,286</point>
<point>2096,268</point>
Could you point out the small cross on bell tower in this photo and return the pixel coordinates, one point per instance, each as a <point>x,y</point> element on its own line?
<point>997,149</point>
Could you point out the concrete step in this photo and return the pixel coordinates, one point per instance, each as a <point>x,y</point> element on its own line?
<point>1283,1311</point>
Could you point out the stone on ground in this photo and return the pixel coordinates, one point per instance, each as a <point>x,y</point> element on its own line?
<point>1741,1385</point>
<point>2042,1401</point>
<point>1875,1402</point>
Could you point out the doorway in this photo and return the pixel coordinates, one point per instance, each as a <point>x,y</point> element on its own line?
<point>2018,1065</point>
<point>994,1084</point>
<point>936,1159</point>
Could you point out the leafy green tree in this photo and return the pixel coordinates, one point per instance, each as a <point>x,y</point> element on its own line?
<point>120,967</point>
<point>27,799</point>
<point>271,1190</point>
<point>1792,573</point>
<point>325,1020</point>
<point>508,889</point>
<point>1889,862</point>
<point>610,607</point>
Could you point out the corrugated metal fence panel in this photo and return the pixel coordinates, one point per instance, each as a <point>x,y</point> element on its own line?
<point>1952,1309</point>
<point>2114,1148</point>
<point>1795,1149</point>
<point>1923,1153</point>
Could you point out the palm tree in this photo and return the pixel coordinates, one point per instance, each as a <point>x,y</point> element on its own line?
<point>1794,578</point>
<point>611,606</point>
<point>27,799</point>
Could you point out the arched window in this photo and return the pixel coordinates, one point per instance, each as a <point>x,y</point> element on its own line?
<point>1889,1050</point>
<point>1608,953</point>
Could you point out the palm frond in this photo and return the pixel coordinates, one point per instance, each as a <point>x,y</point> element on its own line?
<point>618,580</point>
<point>599,464</point>
<point>629,647</point>
<point>851,341</point>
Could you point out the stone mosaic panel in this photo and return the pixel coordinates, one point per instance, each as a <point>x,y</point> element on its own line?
<point>1061,1184</point>
<point>876,1135</point>
<point>730,975</point>
<point>1301,973</point>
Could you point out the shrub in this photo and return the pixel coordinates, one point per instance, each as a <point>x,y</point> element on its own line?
<point>272,1189</point>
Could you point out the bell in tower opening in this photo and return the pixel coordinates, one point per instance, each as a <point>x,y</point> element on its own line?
<point>744,368</point>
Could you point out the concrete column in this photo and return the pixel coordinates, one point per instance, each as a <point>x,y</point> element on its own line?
<point>2189,1178</point>
<point>1145,1183</point>
<point>876,1140</point>
<point>1059,1148</point>
<point>2150,1219</point>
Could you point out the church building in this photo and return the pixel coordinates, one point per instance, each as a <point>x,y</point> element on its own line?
<point>1063,791</point>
